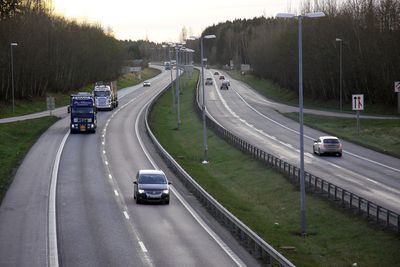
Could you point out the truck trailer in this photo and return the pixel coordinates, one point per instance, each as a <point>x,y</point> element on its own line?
<point>82,111</point>
<point>105,95</point>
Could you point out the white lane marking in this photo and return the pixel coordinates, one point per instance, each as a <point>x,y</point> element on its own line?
<point>310,138</point>
<point>52,241</point>
<point>194,214</point>
<point>104,152</point>
<point>144,249</point>
<point>297,150</point>
<point>126,215</point>
<point>116,192</point>
<point>110,176</point>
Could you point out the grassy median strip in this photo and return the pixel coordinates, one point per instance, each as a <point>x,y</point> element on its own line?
<point>16,138</point>
<point>379,135</point>
<point>266,201</point>
<point>38,104</point>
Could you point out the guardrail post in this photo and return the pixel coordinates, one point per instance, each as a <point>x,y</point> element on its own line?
<point>359,205</point>
<point>367,209</point>
<point>351,200</point>
<point>377,213</point>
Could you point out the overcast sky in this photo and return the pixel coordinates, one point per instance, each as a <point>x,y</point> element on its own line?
<point>163,20</point>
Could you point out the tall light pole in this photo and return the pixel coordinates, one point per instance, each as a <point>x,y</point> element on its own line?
<point>302,184</point>
<point>203,106</point>
<point>340,71</point>
<point>12,75</point>
<point>170,67</point>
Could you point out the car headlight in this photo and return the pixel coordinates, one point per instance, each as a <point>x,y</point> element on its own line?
<point>165,191</point>
<point>141,191</point>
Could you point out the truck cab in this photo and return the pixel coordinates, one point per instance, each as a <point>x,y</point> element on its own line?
<point>105,95</point>
<point>82,111</point>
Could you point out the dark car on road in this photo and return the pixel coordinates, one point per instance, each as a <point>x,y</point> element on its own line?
<point>151,186</point>
<point>224,85</point>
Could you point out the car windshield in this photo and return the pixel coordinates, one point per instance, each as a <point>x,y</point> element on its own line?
<point>101,93</point>
<point>331,141</point>
<point>152,179</point>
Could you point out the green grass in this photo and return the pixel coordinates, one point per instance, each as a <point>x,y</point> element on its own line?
<point>379,135</point>
<point>37,104</point>
<point>15,140</point>
<point>274,92</point>
<point>266,202</point>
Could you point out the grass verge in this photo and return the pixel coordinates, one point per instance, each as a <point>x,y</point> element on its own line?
<point>380,135</point>
<point>274,92</point>
<point>16,138</point>
<point>37,104</point>
<point>265,201</point>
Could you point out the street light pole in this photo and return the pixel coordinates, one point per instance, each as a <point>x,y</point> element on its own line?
<point>301,120</point>
<point>12,75</point>
<point>340,71</point>
<point>203,106</point>
<point>177,84</point>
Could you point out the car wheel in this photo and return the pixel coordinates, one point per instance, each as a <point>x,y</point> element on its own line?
<point>313,150</point>
<point>339,154</point>
<point>137,200</point>
<point>319,151</point>
<point>166,202</point>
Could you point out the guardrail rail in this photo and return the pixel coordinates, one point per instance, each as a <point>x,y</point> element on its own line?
<point>260,249</point>
<point>370,210</point>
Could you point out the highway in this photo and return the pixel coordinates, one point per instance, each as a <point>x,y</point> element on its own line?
<point>254,118</point>
<point>93,219</point>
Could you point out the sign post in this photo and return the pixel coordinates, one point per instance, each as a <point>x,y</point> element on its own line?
<point>358,104</point>
<point>50,103</point>
<point>397,90</point>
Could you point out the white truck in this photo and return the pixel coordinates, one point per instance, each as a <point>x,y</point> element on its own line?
<point>105,95</point>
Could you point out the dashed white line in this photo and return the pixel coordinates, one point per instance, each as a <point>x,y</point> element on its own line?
<point>144,249</point>
<point>110,176</point>
<point>116,192</point>
<point>126,215</point>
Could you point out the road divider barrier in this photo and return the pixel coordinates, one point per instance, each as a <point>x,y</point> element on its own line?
<point>249,239</point>
<point>357,204</point>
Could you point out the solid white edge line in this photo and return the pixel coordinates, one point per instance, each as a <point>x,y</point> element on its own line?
<point>194,214</point>
<point>310,138</point>
<point>52,238</point>
<point>126,215</point>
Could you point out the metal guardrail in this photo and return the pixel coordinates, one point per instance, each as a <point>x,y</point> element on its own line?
<point>250,240</point>
<point>373,212</point>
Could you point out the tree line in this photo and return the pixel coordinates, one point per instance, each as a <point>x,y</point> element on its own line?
<point>53,54</point>
<point>370,34</point>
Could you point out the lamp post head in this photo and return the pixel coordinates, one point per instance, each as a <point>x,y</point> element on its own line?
<point>209,36</point>
<point>308,15</point>
<point>285,15</point>
<point>338,40</point>
<point>14,44</point>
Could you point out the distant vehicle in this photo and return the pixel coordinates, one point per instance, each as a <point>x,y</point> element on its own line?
<point>216,73</point>
<point>222,77</point>
<point>82,111</point>
<point>167,65</point>
<point>224,85</point>
<point>228,82</point>
<point>151,186</point>
<point>327,145</point>
<point>209,81</point>
<point>146,83</point>
<point>106,95</point>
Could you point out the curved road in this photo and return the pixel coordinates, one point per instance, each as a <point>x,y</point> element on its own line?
<point>249,115</point>
<point>97,221</point>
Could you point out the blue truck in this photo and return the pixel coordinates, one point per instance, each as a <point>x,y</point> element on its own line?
<point>83,111</point>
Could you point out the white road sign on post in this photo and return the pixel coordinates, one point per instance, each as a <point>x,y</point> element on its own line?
<point>397,87</point>
<point>358,102</point>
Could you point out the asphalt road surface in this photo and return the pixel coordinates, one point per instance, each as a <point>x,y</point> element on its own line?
<point>94,220</point>
<point>249,115</point>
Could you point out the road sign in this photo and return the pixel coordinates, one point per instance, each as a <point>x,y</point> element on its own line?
<point>358,102</point>
<point>397,87</point>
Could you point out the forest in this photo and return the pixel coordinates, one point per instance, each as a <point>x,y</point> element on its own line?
<point>52,54</point>
<point>370,34</point>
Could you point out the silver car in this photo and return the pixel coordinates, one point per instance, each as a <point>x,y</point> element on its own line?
<point>327,145</point>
